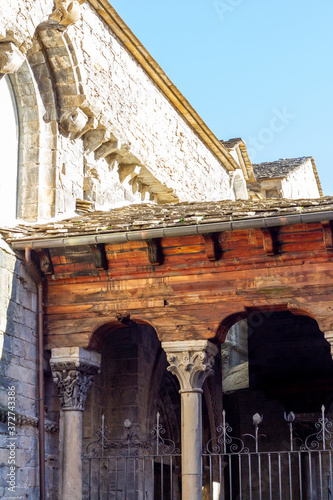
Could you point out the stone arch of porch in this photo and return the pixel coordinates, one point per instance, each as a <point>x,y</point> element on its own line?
<point>101,332</point>
<point>256,314</point>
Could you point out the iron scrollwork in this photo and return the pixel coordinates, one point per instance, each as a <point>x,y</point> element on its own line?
<point>225,443</point>
<point>131,446</point>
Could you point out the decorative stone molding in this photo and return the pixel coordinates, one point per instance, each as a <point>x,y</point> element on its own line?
<point>11,58</point>
<point>66,12</point>
<point>73,371</point>
<point>23,420</point>
<point>191,362</point>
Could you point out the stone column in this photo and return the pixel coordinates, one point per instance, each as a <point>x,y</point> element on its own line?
<point>191,362</point>
<point>73,370</point>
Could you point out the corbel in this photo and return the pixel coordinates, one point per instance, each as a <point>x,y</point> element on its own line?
<point>212,249</point>
<point>91,124</point>
<point>328,234</point>
<point>106,149</point>
<point>11,58</point>
<point>66,12</point>
<point>73,122</point>
<point>270,240</point>
<point>128,171</point>
<point>45,261</point>
<point>155,253</point>
<point>93,139</point>
<point>99,256</point>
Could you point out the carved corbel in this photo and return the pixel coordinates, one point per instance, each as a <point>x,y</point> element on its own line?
<point>90,125</point>
<point>328,234</point>
<point>93,139</point>
<point>211,246</point>
<point>127,171</point>
<point>155,253</point>
<point>270,241</point>
<point>99,256</point>
<point>66,12</point>
<point>46,265</point>
<point>73,122</point>
<point>11,58</point>
<point>106,149</point>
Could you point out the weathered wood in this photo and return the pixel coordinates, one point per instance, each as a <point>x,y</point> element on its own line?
<point>155,253</point>
<point>46,265</point>
<point>99,256</point>
<point>328,234</point>
<point>211,246</point>
<point>189,295</point>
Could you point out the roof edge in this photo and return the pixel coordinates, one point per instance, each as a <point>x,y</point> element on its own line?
<point>140,53</point>
<point>188,230</point>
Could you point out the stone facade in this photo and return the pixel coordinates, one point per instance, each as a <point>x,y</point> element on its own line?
<point>294,178</point>
<point>95,131</point>
<point>94,125</point>
<point>101,126</point>
<point>18,379</point>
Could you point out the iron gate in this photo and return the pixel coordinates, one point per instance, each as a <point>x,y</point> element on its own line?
<point>131,469</point>
<point>232,470</point>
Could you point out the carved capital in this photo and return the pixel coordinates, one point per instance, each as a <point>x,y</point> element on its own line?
<point>73,371</point>
<point>66,12</point>
<point>191,362</point>
<point>11,58</point>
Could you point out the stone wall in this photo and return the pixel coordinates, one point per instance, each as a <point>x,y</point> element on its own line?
<point>18,372</point>
<point>301,183</point>
<point>94,125</point>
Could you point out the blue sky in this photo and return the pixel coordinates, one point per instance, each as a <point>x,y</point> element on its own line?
<point>254,69</point>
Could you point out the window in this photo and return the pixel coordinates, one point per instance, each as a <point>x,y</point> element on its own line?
<point>9,146</point>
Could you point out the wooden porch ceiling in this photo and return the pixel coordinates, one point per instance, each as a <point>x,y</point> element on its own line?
<point>188,287</point>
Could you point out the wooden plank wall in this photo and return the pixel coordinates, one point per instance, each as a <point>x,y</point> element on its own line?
<point>196,286</point>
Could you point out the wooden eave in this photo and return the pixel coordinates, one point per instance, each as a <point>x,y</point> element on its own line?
<point>317,177</point>
<point>193,287</point>
<point>138,51</point>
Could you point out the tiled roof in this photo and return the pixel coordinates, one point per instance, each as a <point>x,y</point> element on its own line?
<point>280,168</point>
<point>231,143</point>
<point>149,216</point>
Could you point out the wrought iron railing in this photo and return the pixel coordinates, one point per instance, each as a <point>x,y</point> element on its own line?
<point>232,469</point>
<point>131,469</point>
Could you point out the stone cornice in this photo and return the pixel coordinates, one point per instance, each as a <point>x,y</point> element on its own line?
<point>138,51</point>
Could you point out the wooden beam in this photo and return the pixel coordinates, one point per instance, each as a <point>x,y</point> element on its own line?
<point>270,240</point>
<point>328,234</point>
<point>211,246</point>
<point>46,265</point>
<point>99,256</point>
<point>155,253</point>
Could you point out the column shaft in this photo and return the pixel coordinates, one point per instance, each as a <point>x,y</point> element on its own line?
<point>73,370</point>
<point>191,362</point>
<point>71,460</point>
<point>191,445</point>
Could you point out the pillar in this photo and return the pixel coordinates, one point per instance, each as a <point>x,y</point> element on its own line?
<point>73,370</point>
<point>191,362</point>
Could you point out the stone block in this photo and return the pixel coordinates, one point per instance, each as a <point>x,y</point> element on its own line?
<point>66,354</point>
